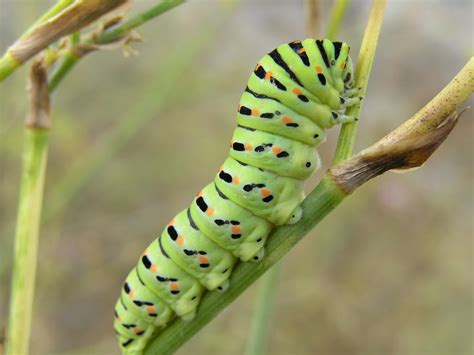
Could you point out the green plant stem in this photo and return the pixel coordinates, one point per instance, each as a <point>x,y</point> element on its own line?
<point>335,19</point>
<point>26,239</point>
<point>67,63</point>
<point>348,131</point>
<point>323,199</point>
<point>116,32</point>
<point>110,35</point>
<point>8,63</point>
<point>264,310</point>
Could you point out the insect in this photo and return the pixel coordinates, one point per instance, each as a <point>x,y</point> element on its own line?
<point>295,92</point>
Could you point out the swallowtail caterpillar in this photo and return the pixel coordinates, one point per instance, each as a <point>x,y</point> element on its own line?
<point>295,92</point>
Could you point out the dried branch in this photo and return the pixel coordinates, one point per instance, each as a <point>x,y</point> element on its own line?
<point>39,110</point>
<point>72,18</point>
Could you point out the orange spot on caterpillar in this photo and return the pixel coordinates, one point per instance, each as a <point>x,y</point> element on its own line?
<point>318,69</point>
<point>265,192</point>
<point>154,268</point>
<point>180,240</point>
<point>170,223</point>
<point>235,229</point>
<point>296,91</point>
<point>235,180</point>
<point>255,112</point>
<point>342,66</point>
<point>287,119</point>
<point>150,309</point>
<point>258,66</point>
<point>276,150</point>
<point>145,252</point>
<point>174,285</point>
<point>268,75</point>
<point>136,330</point>
<point>203,259</point>
<point>302,50</point>
<point>131,294</point>
<point>210,211</point>
<point>200,194</point>
<point>248,146</point>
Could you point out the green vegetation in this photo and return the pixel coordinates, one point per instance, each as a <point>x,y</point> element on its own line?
<point>115,176</point>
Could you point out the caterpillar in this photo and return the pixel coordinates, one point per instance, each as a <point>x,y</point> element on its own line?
<point>295,92</point>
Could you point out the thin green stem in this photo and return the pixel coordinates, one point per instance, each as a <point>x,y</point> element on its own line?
<point>117,32</point>
<point>68,61</point>
<point>26,240</point>
<point>264,310</point>
<point>111,35</point>
<point>8,63</point>
<point>335,19</point>
<point>348,131</point>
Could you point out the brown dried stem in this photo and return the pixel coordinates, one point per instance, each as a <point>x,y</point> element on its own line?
<point>71,19</point>
<point>411,144</point>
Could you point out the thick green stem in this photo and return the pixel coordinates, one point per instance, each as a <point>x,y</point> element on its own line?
<point>337,16</point>
<point>348,132</point>
<point>26,240</point>
<point>264,310</point>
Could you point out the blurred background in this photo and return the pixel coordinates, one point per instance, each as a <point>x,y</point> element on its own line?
<point>135,138</point>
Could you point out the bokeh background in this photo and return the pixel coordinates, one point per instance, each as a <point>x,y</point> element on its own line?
<point>134,138</point>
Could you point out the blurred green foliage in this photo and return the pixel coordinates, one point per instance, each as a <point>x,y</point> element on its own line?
<point>390,271</point>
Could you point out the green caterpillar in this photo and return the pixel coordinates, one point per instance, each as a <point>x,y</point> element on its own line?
<point>295,92</point>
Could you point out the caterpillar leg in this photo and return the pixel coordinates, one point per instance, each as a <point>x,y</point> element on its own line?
<point>259,256</point>
<point>342,118</point>
<point>223,286</point>
<point>350,101</point>
<point>296,215</point>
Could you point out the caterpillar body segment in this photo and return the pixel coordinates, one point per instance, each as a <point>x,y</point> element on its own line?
<point>294,93</point>
<point>230,226</point>
<point>198,255</point>
<point>264,193</point>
